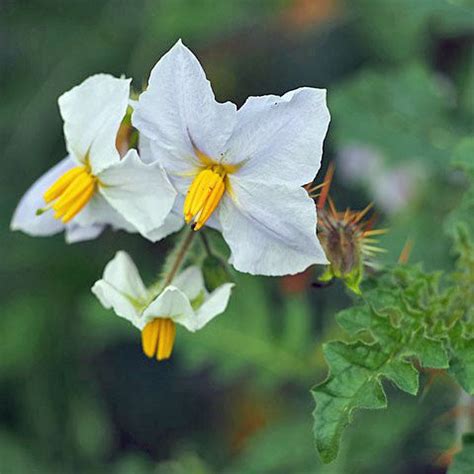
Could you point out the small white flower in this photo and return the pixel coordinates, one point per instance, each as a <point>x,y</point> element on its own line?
<point>245,167</point>
<point>92,186</point>
<point>185,301</point>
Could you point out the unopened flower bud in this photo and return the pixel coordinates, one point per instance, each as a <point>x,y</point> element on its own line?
<point>215,272</point>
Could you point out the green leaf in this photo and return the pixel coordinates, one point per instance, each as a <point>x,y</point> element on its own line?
<point>430,352</point>
<point>463,156</point>
<point>353,382</point>
<point>462,358</point>
<point>401,317</point>
<point>464,461</point>
<point>276,345</point>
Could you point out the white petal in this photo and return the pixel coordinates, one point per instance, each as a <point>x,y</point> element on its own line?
<point>171,303</point>
<point>78,233</point>
<point>123,275</point>
<point>212,307</point>
<point>281,138</point>
<point>141,193</point>
<point>25,218</point>
<point>110,297</point>
<point>270,229</point>
<point>173,223</point>
<point>144,148</point>
<point>122,288</point>
<point>92,113</point>
<point>190,281</point>
<point>179,109</point>
<point>99,212</point>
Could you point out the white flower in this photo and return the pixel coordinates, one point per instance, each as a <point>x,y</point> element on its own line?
<point>92,186</point>
<point>185,301</point>
<point>245,167</point>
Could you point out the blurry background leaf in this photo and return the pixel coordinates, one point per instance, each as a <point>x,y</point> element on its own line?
<point>464,460</point>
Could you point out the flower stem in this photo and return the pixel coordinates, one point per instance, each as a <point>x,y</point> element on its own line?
<point>180,254</point>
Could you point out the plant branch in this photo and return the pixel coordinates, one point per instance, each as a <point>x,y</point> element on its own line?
<point>181,253</point>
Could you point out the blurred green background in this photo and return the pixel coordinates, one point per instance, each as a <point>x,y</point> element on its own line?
<point>76,393</point>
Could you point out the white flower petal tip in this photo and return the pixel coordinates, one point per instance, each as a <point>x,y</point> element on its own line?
<point>241,170</point>
<point>92,113</point>
<point>78,233</point>
<point>25,217</point>
<point>178,112</point>
<point>213,306</point>
<point>122,288</point>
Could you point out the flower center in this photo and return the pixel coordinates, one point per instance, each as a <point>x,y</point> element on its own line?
<point>158,338</point>
<point>71,192</point>
<point>205,194</point>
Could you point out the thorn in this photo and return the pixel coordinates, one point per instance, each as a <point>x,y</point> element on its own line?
<point>327,185</point>
<point>332,207</point>
<point>406,251</point>
<point>370,233</point>
<point>362,213</point>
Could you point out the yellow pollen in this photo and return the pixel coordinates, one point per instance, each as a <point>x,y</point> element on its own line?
<point>71,192</point>
<point>158,338</point>
<point>204,195</point>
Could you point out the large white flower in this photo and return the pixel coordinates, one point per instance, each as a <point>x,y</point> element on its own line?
<point>92,186</point>
<point>244,167</point>
<point>185,301</point>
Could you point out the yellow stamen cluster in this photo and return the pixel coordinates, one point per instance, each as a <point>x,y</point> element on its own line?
<point>71,192</point>
<point>204,195</point>
<point>158,338</point>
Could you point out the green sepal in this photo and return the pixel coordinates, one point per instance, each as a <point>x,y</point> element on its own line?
<point>352,279</point>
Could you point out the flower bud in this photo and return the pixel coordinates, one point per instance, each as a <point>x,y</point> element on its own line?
<point>215,272</point>
<point>343,250</point>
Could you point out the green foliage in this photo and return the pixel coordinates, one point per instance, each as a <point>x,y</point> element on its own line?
<point>395,323</point>
<point>412,33</point>
<point>295,453</point>
<point>405,315</point>
<point>254,333</point>
<point>404,115</point>
<point>461,219</point>
<point>464,461</point>
<point>463,155</point>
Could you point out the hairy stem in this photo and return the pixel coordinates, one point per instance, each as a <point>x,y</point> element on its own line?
<point>172,264</point>
<point>180,254</point>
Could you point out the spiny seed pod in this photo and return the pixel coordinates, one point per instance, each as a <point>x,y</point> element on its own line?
<point>347,238</point>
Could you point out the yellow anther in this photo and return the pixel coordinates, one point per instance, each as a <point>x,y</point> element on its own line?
<point>158,338</point>
<point>79,203</point>
<point>71,192</point>
<point>62,183</point>
<point>204,195</point>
